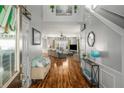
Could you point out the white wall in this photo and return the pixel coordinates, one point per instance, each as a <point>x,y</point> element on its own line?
<point>68,25</point>
<point>109,43</point>
<point>36,22</point>
<point>71,40</point>
<point>117,9</point>
<point>56,28</point>
<point>113,13</point>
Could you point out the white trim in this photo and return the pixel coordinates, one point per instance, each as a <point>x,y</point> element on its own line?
<point>108,74</point>
<point>17,59</point>
<point>110,24</point>
<point>10,80</point>
<point>1,63</point>
<point>106,66</point>
<point>118,30</point>
<point>10,62</point>
<point>122,54</point>
<point>100,78</point>
<point>115,28</point>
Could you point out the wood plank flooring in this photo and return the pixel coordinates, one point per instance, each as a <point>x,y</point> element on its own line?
<point>16,83</point>
<point>64,73</point>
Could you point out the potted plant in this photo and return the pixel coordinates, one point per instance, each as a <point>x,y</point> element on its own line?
<point>52,8</point>
<point>75,8</point>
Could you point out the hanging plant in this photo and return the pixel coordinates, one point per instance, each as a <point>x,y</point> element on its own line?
<point>52,8</point>
<point>75,8</point>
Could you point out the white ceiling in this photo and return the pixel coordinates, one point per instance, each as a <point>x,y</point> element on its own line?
<point>56,28</point>
<point>69,26</point>
<point>49,24</point>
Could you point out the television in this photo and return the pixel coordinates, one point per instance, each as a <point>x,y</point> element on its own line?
<point>73,47</point>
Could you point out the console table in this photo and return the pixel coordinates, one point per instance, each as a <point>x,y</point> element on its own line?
<point>91,72</point>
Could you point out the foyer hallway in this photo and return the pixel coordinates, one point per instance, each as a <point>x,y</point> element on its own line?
<point>64,73</point>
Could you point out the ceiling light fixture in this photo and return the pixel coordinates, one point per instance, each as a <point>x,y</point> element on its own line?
<point>62,37</point>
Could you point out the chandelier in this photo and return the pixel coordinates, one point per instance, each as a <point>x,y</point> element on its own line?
<point>62,37</point>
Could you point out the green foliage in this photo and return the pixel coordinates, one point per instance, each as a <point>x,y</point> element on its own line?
<point>52,6</point>
<point>10,17</point>
<point>1,8</point>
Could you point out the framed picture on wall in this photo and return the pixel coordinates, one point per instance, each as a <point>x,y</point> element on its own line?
<point>36,37</point>
<point>64,10</point>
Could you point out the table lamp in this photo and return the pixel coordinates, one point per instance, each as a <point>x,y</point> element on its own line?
<point>95,53</point>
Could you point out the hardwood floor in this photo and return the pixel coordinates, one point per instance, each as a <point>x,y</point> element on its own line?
<point>16,83</point>
<point>64,73</point>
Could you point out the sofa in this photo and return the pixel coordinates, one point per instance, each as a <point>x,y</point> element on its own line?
<point>40,67</point>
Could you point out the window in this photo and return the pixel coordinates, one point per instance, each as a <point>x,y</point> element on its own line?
<point>8,31</point>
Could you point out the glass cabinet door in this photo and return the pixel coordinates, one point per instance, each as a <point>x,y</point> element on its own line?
<point>6,67</point>
<point>8,27</point>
